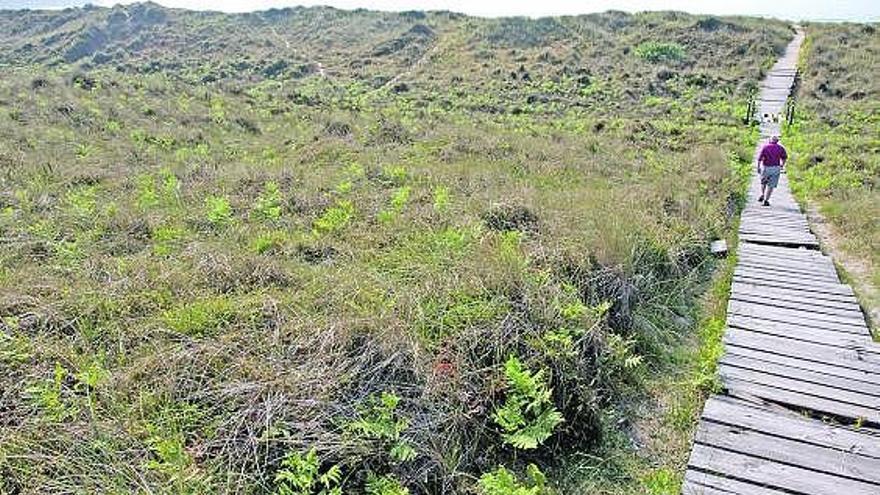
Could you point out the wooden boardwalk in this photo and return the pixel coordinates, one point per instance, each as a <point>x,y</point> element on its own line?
<point>800,412</point>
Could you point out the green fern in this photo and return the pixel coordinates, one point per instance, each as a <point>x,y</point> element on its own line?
<point>268,204</point>
<point>378,420</point>
<point>301,475</point>
<point>503,482</point>
<point>384,485</point>
<point>528,416</point>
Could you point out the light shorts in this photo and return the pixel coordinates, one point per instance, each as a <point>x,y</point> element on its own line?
<point>770,176</point>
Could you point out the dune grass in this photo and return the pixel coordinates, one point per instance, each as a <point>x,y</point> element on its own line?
<point>835,138</point>
<point>434,246</point>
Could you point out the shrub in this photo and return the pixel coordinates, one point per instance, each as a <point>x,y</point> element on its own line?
<point>201,317</point>
<point>335,218</point>
<point>268,204</point>
<point>503,482</point>
<point>269,242</point>
<point>378,420</point>
<point>384,485</point>
<point>528,416</point>
<point>218,211</point>
<point>654,51</point>
<point>302,475</point>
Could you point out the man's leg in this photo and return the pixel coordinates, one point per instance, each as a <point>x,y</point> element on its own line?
<point>767,194</point>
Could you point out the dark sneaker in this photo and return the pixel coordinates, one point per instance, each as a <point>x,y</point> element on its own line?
<point>761,199</point>
<point>766,203</point>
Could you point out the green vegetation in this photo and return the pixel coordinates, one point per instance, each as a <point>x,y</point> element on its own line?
<point>835,137</point>
<point>319,251</point>
<point>660,52</point>
<point>528,416</point>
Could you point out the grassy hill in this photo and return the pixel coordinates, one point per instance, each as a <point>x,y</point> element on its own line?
<point>311,250</point>
<point>836,137</point>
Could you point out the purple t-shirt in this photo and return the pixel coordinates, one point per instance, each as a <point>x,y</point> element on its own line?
<point>772,155</point>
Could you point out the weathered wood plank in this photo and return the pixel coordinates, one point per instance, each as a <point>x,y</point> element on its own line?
<point>869,403</point>
<point>779,240</point>
<point>804,455</point>
<point>851,336</point>
<point>804,334</point>
<point>803,375</point>
<point>852,313</point>
<point>774,474</point>
<point>750,278</point>
<point>700,483</point>
<point>856,358</point>
<point>796,317</point>
<point>788,276</point>
<point>781,251</point>
<point>847,303</point>
<point>771,261</point>
<point>756,226</point>
<point>800,399</point>
<point>826,368</point>
<point>787,266</point>
<point>789,425</point>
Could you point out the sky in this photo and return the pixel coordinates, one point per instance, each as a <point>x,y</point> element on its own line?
<point>857,10</point>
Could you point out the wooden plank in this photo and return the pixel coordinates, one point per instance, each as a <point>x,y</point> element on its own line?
<point>776,249</point>
<point>788,276</point>
<point>771,225</point>
<point>786,424</point>
<point>768,230</point>
<point>803,334</point>
<point>797,383</point>
<point>797,398</point>
<point>776,475</point>
<point>846,340</point>
<point>780,241</point>
<point>751,217</point>
<point>852,312</point>
<point>690,488</point>
<point>804,455</point>
<point>775,231</point>
<point>738,289</point>
<point>786,254</point>
<point>804,375</point>
<point>845,358</point>
<point>826,368</point>
<point>778,270</point>
<point>847,303</point>
<point>780,238</point>
<point>787,271</point>
<point>700,483</point>
<point>832,289</point>
<point>791,262</point>
<point>781,251</point>
<point>795,317</point>
<point>776,218</point>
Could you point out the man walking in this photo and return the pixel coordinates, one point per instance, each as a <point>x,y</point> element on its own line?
<point>770,163</point>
